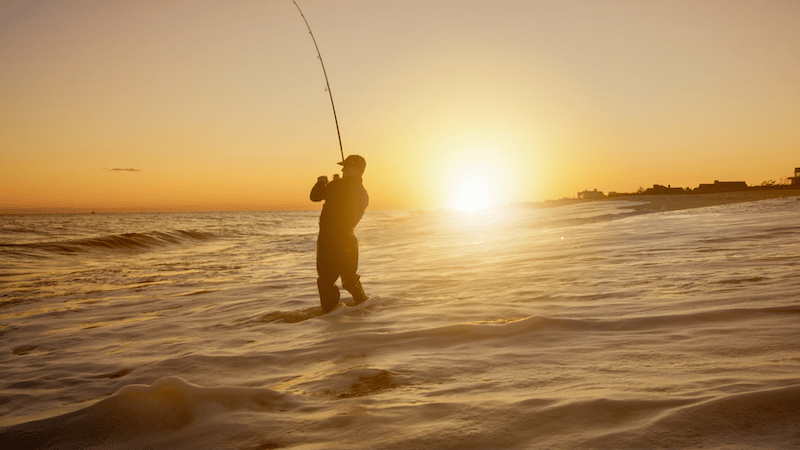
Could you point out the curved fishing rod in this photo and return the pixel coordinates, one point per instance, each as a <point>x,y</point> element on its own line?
<point>330,94</point>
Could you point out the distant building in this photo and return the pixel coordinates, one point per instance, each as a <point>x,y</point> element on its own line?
<point>795,180</point>
<point>723,186</point>
<point>657,189</point>
<point>591,195</point>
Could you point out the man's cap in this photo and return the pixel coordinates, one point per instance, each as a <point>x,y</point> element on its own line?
<point>355,161</point>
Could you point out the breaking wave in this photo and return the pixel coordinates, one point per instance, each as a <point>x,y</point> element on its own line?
<point>168,405</point>
<point>125,241</point>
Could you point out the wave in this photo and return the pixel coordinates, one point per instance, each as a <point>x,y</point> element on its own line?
<point>761,419</point>
<point>173,413</point>
<point>168,405</point>
<point>638,323</point>
<point>125,241</point>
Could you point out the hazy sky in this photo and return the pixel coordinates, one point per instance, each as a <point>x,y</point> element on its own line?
<point>221,104</point>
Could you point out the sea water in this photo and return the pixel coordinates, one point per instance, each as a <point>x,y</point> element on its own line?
<point>593,325</point>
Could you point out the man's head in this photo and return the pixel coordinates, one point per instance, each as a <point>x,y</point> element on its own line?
<point>354,165</point>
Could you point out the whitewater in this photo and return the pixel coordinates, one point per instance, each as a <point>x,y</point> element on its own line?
<point>593,325</point>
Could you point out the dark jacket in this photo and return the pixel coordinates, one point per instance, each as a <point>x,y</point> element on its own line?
<point>345,202</point>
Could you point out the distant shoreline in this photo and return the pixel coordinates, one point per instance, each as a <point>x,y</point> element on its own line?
<point>673,202</point>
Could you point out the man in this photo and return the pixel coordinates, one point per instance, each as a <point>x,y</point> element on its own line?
<point>337,248</point>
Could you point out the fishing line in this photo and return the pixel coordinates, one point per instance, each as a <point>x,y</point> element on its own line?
<point>330,94</point>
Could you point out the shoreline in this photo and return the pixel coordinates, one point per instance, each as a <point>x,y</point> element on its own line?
<point>674,202</point>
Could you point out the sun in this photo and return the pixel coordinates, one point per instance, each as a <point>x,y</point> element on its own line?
<point>475,184</point>
<point>471,195</point>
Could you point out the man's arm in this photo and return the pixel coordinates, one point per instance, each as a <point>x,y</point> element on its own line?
<point>364,199</point>
<point>318,191</point>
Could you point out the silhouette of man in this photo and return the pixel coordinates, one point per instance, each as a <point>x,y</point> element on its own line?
<point>337,247</point>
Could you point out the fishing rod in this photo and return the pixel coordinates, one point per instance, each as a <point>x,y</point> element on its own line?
<point>330,94</point>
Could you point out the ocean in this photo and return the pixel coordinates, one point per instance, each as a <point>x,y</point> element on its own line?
<point>592,325</point>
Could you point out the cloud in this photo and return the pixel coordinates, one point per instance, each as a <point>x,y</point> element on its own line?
<point>116,169</point>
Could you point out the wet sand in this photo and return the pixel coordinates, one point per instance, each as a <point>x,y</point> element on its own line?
<point>688,201</point>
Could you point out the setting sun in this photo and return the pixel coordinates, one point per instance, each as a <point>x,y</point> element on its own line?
<point>476,184</point>
<point>471,196</point>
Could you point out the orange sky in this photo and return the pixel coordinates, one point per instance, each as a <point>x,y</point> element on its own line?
<point>220,105</point>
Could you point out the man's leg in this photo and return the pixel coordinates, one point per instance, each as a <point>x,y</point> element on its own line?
<point>327,274</point>
<point>353,286</point>
<point>349,265</point>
